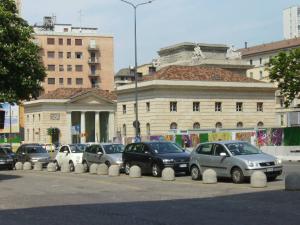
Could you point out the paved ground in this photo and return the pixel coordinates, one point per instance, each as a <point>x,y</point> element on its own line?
<point>37,198</point>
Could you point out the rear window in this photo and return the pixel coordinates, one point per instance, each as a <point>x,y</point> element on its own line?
<point>165,147</point>
<point>113,149</point>
<point>77,148</point>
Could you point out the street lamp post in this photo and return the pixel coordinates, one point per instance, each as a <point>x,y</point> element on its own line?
<point>135,6</point>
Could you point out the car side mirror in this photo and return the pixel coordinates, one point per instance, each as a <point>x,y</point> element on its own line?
<point>23,153</point>
<point>147,153</point>
<point>223,154</point>
<point>99,153</point>
<point>66,152</point>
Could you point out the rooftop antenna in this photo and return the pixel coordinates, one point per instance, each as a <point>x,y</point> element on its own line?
<point>80,19</point>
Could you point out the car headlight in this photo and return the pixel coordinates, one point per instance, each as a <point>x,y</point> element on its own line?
<point>278,161</point>
<point>119,161</point>
<point>166,161</point>
<point>252,164</point>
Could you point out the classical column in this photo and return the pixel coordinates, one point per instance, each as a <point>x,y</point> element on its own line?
<point>82,128</point>
<point>111,126</point>
<point>97,126</point>
<point>69,128</point>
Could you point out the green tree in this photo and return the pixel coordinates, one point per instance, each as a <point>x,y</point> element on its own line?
<point>21,69</point>
<point>284,70</point>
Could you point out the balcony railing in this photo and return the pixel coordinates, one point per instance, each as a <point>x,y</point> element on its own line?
<point>94,74</point>
<point>93,60</point>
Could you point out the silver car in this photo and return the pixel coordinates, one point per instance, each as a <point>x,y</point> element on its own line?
<point>108,153</point>
<point>235,159</point>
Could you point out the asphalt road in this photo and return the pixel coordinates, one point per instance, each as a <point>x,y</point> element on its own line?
<point>37,198</point>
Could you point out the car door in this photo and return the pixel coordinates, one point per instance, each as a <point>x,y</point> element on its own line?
<point>100,157</point>
<point>61,155</point>
<point>203,156</point>
<point>20,154</point>
<point>220,163</point>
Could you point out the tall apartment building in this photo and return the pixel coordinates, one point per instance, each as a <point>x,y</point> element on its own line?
<point>291,22</point>
<point>75,57</point>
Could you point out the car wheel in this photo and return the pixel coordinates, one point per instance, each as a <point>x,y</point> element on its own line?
<point>10,167</point>
<point>56,165</point>
<point>107,163</point>
<point>195,173</point>
<point>271,178</point>
<point>72,167</point>
<point>127,168</point>
<point>237,175</point>
<point>156,170</point>
<point>85,166</point>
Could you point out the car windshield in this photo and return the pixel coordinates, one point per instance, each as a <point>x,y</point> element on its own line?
<point>242,148</point>
<point>77,148</point>
<point>165,147</point>
<point>35,149</point>
<point>113,149</point>
<point>2,152</point>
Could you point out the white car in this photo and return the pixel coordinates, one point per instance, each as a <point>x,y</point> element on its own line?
<point>71,154</point>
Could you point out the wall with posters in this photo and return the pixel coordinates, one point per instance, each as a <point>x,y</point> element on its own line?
<point>13,111</point>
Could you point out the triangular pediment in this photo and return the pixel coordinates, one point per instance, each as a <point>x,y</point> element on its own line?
<point>90,99</point>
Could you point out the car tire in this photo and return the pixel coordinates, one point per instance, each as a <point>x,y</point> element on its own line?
<point>195,173</point>
<point>271,178</point>
<point>85,166</point>
<point>108,164</point>
<point>156,170</point>
<point>237,175</point>
<point>72,167</point>
<point>10,167</point>
<point>127,168</point>
<point>56,165</point>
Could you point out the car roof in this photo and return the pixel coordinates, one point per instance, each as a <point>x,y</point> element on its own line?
<point>224,142</point>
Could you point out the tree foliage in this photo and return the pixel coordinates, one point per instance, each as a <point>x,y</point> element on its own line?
<point>21,69</point>
<point>284,69</point>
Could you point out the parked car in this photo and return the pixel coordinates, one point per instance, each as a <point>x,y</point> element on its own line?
<point>8,150</point>
<point>6,159</point>
<point>103,153</point>
<point>71,154</point>
<point>32,153</point>
<point>235,159</point>
<point>153,157</point>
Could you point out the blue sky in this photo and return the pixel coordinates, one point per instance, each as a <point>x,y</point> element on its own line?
<point>167,22</point>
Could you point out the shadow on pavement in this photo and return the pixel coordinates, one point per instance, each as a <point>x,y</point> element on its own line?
<point>7,177</point>
<point>260,208</point>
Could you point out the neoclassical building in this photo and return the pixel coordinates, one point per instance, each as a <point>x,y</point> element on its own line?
<point>78,114</point>
<point>195,97</point>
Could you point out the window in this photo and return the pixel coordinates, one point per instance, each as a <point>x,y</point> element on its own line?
<point>69,42</point>
<point>218,107</point>
<point>260,74</point>
<point>173,106</point>
<point>196,106</point>
<point>69,55</point>
<point>60,55</point>
<point>260,107</point>
<point>61,81</point>
<point>78,55</point>
<point>196,126</point>
<point>60,41</point>
<point>51,67</point>
<point>50,41</point>
<point>148,106</point>
<point>124,129</point>
<point>251,62</point>
<point>61,67</point>
<point>124,109</point>
<point>220,149</point>
<point>239,106</point>
<point>69,81</point>
<point>66,30</point>
<point>219,125</point>
<point>148,128</point>
<point>50,54</point>
<point>173,126</point>
<point>205,149</point>
<point>260,61</point>
<point>78,68</point>
<point>281,102</point>
<point>281,120</point>
<point>69,68</point>
<point>239,125</point>
<point>260,124</point>
<point>251,74</point>
<point>79,81</point>
<point>51,80</point>
<point>78,42</point>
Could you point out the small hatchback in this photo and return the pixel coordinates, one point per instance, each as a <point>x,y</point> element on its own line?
<point>235,159</point>
<point>153,157</point>
<point>110,154</point>
<point>32,153</point>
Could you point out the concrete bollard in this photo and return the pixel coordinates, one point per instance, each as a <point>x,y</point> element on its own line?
<point>65,167</point>
<point>79,168</point>
<point>27,166</point>
<point>19,166</point>
<point>102,169</point>
<point>51,167</point>
<point>93,168</point>
<point>114,171</point>
<point>135,172</point>
<point>209,176</point>
<point>258,179</point>
<point>168,174</point>
<point>292,182</point>
<point>38,166</point>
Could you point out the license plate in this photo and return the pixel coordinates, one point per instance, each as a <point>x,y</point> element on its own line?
<point>183,165</point>
<point>270,169</point>
<point>2,163</point>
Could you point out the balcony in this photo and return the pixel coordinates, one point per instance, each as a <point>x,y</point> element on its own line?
<point>92,74</point>
<point>93,60</point>
<point>93,47</point>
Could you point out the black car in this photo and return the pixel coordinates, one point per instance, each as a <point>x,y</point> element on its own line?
<point>153,157</point>
<point>8,150</point>
<point>6,160</point>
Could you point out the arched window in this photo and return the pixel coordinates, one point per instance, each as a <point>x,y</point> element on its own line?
<point>239,125</point>
<point>260,124</point>
<point>173,126</point>
<point>218,125</point>
<point>148,128</point>
<point>196,126</point>
<point>124,130</point>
